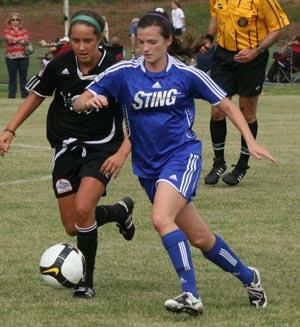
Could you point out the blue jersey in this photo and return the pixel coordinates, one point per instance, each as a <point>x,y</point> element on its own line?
<point>158,107</point>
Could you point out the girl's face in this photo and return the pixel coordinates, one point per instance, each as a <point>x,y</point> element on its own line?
<point>15,21</point>
<point>153,46</point>
<point>84,43</point>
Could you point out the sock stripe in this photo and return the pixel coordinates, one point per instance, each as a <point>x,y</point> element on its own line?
<point>184,256</point>
<point>227,256</point>
<point>86,229</point>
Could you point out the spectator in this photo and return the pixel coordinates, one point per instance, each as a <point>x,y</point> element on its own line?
<point>17,60</point>
<point>132,34</point>
<point>283,59</point>
<point>178,18</point>
<point>115,48</point>
<point>55,49</point>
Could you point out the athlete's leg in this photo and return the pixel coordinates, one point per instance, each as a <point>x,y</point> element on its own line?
<point>167,204</point>
<point>87,197</point>
<point>212,246</point>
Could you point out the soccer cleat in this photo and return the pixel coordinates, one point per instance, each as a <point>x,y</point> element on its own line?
<point>256,293</point>
<point>84,292</point>
<point>236,175</point>
<point>126,226</point>
<point>218,169</point>
<point>185,302</point>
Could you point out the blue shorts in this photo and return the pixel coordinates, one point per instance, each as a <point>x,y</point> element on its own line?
<point>182,171</point>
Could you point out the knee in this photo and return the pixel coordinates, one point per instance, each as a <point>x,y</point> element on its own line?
<point>161,224</point>
<point>82,210</point>
<point>69,228</point>
<point>202,242</point>
<point>249,115</point>
<point>217,114</point>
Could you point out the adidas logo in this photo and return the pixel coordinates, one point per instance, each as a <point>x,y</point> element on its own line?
<point>156,85</point>
<point>174,177</point>
<point>65,72</point>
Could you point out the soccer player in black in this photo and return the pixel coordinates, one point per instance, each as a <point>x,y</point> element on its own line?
<point>82,143</point>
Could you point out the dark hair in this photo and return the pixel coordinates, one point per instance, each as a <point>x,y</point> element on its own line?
<point>177,4</point>
<point>91,13</point>
<point>179,47</point>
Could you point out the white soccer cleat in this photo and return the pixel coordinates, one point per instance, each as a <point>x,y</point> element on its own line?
<point>185,302</point>
<point>256,293</point>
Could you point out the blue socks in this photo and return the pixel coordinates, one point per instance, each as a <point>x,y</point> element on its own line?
<point>226,259</point>
<point>179,252</point>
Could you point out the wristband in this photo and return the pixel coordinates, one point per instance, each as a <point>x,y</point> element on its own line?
<point>10,131</point>
<point>210,37</point>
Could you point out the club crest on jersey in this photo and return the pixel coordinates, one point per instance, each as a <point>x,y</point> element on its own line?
<point>154,99</point>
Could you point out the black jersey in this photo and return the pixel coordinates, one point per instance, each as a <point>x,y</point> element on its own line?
<point>94,127</point>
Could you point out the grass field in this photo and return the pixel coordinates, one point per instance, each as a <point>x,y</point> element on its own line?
<point>259,218</point>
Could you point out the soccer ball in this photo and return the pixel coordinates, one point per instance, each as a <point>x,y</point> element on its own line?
<point>62,265</point>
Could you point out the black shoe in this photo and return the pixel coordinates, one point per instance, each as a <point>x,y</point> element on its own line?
<point>218,169</point>
<point>256,293</point>
<point>84,292</point>
<point>126,226</point>
<point>236,175</point>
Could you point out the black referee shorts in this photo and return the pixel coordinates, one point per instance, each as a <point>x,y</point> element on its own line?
<point>72,163</point>
<point>244,79</point>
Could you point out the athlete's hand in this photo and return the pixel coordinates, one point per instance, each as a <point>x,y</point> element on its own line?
<point>5,141</point>
<point>98,101</point>
<point>259,152</point>
<point>246,55</point>
<point>113,164</point>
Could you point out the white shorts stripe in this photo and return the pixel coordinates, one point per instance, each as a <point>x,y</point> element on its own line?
<point>187,176</point>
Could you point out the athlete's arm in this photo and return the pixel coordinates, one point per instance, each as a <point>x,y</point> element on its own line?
<point>26,108</point>
<point>88,100</point>
<point>237,118</point>
<point>113,164</point>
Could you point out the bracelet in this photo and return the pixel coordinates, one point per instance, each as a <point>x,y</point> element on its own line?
<point>210,37</point>
<point>10,131</point>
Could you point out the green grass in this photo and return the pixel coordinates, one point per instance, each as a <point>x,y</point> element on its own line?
<point>260,219</point>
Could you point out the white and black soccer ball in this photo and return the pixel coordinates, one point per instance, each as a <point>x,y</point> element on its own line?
<point>62,265</point>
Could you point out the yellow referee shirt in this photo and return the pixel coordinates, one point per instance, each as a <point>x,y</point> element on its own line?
<point>243,24</point>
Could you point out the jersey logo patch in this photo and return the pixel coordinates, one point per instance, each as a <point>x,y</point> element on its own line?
<point>174,177</point>
<point>63,186</point>
<point>65,72</point>
<point>243,22</point>
<point>156,85</point>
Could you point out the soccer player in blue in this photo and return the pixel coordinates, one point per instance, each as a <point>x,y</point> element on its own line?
<point>157,94</point>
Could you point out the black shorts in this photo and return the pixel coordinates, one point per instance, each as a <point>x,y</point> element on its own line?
<point>72,163</point>
<point>236,78</point>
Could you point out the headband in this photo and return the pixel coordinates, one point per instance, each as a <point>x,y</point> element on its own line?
<point>87,19</point>
<point>158,15</point>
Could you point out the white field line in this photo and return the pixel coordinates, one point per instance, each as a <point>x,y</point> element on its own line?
<point>26,181</point>
<point>38,147</point>
<point>32,180</point>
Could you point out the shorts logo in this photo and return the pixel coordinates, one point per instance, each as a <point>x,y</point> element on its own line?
<point>243,22</point>
<point>174,177</point>
<point>63,186</point>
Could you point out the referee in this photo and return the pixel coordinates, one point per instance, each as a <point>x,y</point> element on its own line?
<point>244,29</point>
